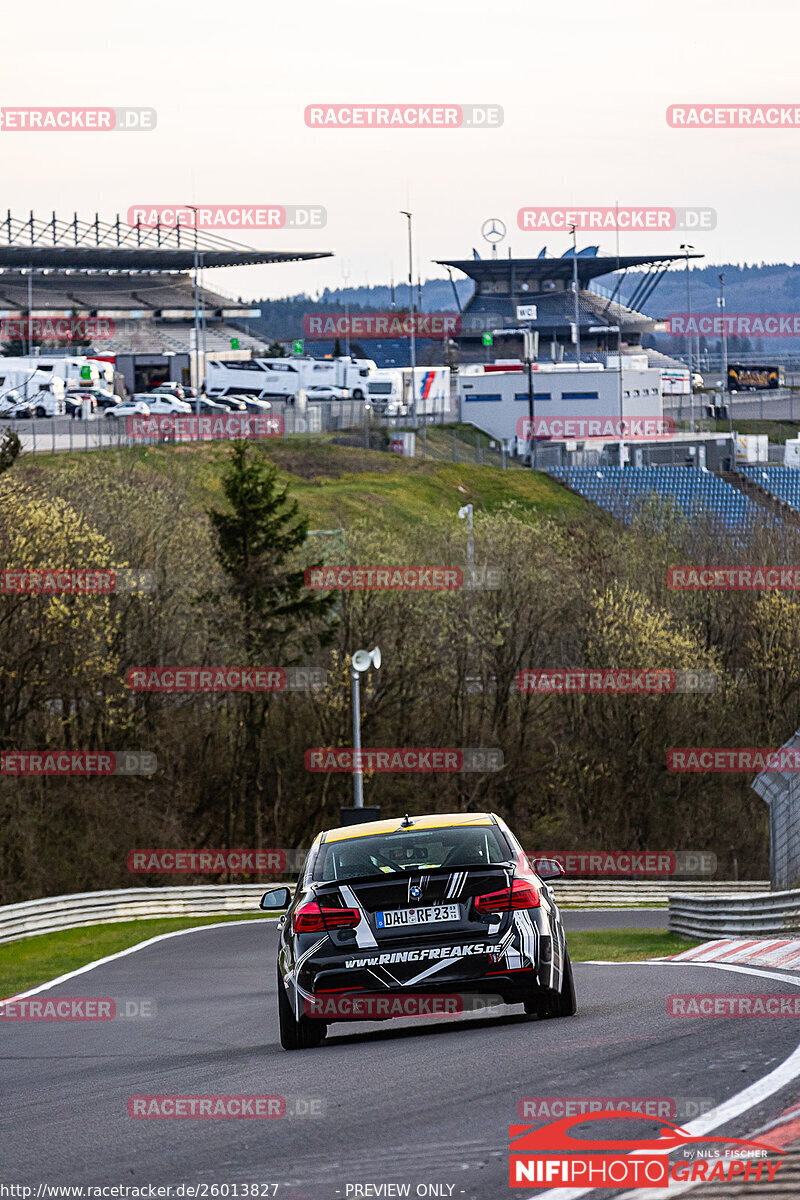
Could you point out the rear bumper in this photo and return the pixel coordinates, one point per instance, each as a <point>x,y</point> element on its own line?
<point>483,976</point>
<point>470,996</point>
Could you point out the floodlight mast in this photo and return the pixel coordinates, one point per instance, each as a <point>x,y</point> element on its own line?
<point>465,512</point>
<point>361,661</point>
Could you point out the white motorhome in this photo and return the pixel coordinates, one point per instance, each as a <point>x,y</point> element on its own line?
<point>39,388</point>
<point>75,370</point>
<point>260,377</point>
<point>283,378</point>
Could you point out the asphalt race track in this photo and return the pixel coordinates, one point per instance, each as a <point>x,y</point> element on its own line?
<point>615,918</point>
<point>415,1102</point>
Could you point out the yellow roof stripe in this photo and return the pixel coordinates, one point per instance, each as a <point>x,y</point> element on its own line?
<point>436,821</point>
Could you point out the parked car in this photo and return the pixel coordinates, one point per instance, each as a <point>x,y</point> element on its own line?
<point>24,411</point>
<point>324,391</point>
<point>73,402</point>
<point>208,408</point>
<point>132,407</point>
<point>103,398</point>
<point>8,402</point>
<point>163,402</point>
<point>253,404</point>
<point>14,408</point>
<point>232,403</point>
<point>170,388</point>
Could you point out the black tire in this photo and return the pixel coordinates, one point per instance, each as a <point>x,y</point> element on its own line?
<point>302,1034</point>
<point>39,412</point>
<point>556,1004</point>
<point>358,394</point>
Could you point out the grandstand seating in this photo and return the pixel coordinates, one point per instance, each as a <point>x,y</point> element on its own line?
<point>100,291</point>
<point>622,491</point>
<point>781,482</point>
<point>133,337</point>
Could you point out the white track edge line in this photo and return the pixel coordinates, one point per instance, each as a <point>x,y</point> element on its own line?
<point>99,962</point>
<point>767,1085</point>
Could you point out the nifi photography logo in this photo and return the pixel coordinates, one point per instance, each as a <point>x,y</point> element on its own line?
<point>553,1156</point>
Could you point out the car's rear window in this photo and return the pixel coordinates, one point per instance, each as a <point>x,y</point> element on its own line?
<point>407,850</point>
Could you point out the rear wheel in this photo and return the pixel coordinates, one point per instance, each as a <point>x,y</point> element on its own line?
<point>556,1004</point>
<point>302,1034</point>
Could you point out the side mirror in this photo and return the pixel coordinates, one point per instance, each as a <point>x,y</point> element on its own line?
<point>277,898</point>
<point>548,868</point>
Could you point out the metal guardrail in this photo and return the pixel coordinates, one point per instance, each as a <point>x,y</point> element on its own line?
<point>129,904</point>
<point>756,914</point>
<point>54,913</point>
<point>631,893</point>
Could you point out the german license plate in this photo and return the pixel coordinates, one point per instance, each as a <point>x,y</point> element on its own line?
<point>393,918</point>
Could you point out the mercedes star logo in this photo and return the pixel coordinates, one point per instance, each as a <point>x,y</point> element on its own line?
<point>493,230</point>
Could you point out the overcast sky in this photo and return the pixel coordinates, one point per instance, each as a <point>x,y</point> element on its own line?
<point>584,87</point>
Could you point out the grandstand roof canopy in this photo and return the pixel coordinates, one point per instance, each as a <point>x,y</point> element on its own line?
<point>78,245</point>
<point>497,270</point>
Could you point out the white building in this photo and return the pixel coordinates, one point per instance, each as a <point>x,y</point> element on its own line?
<point>568,404</point>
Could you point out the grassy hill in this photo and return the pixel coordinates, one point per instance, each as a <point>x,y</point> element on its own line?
<point>334,485</point>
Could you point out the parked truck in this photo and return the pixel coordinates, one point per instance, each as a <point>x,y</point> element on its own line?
<point>392,391</point>
<point>41,389</point>
<point>754,379</point>
<point>283,378</point>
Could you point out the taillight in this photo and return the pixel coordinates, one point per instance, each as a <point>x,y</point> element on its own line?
<point>521,894</point>
<point>310,918</point>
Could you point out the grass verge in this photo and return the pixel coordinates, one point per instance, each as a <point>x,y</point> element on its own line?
<point>625,945</point>
<point>34,960</point>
